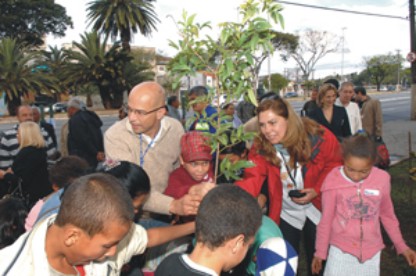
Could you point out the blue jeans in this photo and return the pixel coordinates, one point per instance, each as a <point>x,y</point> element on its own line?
<point>148,223</point>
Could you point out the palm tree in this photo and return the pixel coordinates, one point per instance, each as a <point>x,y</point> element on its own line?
<point>55,59</point>
<point>122,17</point>
<point>111,71</point>
<point>19,75</point>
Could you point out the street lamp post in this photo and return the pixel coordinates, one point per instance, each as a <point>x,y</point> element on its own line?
<point>413,64</point>
<point>398,71</point>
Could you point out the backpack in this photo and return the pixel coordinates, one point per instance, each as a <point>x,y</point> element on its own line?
<point>383,155</point>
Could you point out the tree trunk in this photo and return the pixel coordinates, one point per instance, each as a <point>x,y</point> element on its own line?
<point>13,104</point>
<point>125,39</point>
<point>118,97</point>
<point>105,96</point>
<point>89,101</point>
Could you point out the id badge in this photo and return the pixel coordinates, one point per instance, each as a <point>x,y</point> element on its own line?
<point>371,192</point>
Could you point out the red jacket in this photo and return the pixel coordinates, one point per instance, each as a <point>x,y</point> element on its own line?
<point>325,156</point>
<point>180,181</point>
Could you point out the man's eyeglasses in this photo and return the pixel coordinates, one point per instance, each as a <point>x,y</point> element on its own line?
<point>139,112</point>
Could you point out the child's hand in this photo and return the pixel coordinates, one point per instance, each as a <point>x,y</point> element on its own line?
<point>410,257</point>
<point>262,200</point>
<point>185,206</point>
<point>316,265</point>
<point>201,189</point>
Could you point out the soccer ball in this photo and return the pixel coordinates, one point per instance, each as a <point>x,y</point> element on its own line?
<point>276,257</point>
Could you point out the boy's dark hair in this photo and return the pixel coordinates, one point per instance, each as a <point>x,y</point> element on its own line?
<point>65,170</point>
<point>172,99</point>
<point>226,212</point>
<point>359,145</point>
<point>13,213</point>
<point>133,178</point>
<point>360,89</point>
<point>93,200</point>
<point>237,148</point>
<point>334,82</point>
<point>226,105</point>
<point>198,91</point>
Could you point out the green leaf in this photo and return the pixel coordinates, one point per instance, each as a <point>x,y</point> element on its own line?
<point>252,97</point>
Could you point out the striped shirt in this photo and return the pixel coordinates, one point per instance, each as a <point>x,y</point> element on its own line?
<point>9,146</point>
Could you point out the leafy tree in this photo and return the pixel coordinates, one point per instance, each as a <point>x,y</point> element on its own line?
<point>407,76</point>
<point>283,42</point>
<point>18,74</point>
<point>229,60</point>
<point>313,46</point>
<point>122,17</point>
<point>278,82</point>
<point>286,44</point>
<point>28,21</point>
<point>379,67</point>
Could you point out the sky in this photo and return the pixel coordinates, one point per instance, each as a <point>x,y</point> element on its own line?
<point>364,36</point>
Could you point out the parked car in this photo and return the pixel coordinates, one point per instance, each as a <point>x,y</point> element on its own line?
<point>60,107</point>
<point>291,95</point>
<point>391,88</point>
<point>383,88</point>
<point>56,107</point>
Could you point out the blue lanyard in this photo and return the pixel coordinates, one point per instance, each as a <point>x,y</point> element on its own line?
<point>142,154</point>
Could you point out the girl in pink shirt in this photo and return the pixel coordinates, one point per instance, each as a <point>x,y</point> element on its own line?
<point>355,198</point>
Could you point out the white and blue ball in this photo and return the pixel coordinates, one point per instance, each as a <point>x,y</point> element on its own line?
<point>276,257</point>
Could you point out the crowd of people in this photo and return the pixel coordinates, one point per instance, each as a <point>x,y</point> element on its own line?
<point>144,199</point>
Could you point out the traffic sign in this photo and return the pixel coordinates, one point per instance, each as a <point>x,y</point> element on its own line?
<point>411,57</point>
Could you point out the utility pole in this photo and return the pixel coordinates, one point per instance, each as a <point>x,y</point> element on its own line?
<point>398,70</point>
<point>342,54</point>
<point>269,62</point>
<point>413,64</point>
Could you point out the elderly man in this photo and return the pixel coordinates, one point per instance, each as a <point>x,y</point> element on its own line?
<point>346,93</point>
<point>85,138</point>
<point>9,146</point>
<point>152,140</point>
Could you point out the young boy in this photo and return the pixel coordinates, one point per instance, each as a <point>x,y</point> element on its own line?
<point>226,223</point>
<point>195,166</point>
<point>93,234</point>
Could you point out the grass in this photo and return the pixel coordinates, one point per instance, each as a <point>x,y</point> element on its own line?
<point>402,193</point>
<point>404,200</point>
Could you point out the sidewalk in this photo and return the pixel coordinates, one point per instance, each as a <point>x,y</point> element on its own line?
<point>396,137</point>
<point>61,116</point>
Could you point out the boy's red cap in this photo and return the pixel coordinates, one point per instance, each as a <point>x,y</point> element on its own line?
<point>194,147</point>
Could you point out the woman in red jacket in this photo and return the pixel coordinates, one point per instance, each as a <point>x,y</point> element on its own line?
<point>294,155</point>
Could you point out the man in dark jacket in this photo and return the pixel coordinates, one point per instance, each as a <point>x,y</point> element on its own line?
<point>85,138</point>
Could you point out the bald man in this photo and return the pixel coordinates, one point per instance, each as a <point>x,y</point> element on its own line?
<point>152,140</point>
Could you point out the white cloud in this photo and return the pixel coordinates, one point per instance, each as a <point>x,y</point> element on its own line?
<point>364,35</point>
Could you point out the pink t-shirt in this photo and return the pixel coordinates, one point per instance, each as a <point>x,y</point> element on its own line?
<point>33,215</point>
